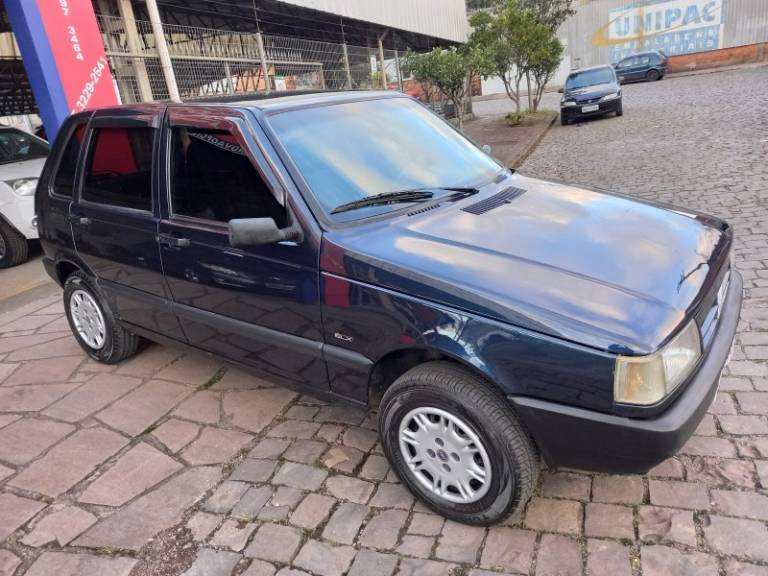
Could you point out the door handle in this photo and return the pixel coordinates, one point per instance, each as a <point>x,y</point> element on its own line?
<point>173,241</point>
<point>81,220</point>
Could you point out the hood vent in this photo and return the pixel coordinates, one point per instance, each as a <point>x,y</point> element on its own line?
<point>498,199</point>
<point>422,210</point>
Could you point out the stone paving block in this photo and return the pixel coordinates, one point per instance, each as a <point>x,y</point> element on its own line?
<point>175,434</point>
<point>235,379</point>
<point>392,496</point>
<point>5,472</point>
<point>670,468</point>
<point>736,568</point>
<point>213,563</point>
<point>300,412</point>
<point>426,524</point>
<point>371,563</point>
<point>743,425</point>
<point>720,471</point>
<point>259,568</point>
<point>607,558</point>
<point>300,476</point>
<point>135,472</point>
<point>558,556</point>
<point>252,470</point>
<point>666,526</point>
<point>203,407</point>
<point>142,407</point>
<point>215,446</point>
<point>253,410</point>
<point>678,494</point>
<point>762,472</point>
<point>618,489</point>
<point>132,526</point>
<point>414,567</point>
<point>27,438</point>
<point>150,360</point>
<point>233,535</point>
<point>91,397</point>
<point>7,369</point>
<point>352,489</point>
<point>225,497</point>
<point>305,451</point>
<point>329,432</point>
<point>743,504</point>
<point>418,546</point>
<point>190,369</point>
<point>707,426</point>
<point>360,438</point>
<point>65,564</point>
<point>343,459</point>
<point>459,542</point>
<point>508,549</point>
<point>274,543</point>
<point>251,503</point>
<point>383,529</point>
<point>8,562</point>
<point>375,467</point>
<point>345,523</point>
<point>312,511</point>
<point>324,559</point>
<point>69,461</point>
<point>32,398</point>
<point>65,346</point>
<point>11,343</point>
<point>269,448</point>
<point>16,511</point>
<point>753,402</point>
<point>608,521</point>
<point>339,414</point>
<point>52,371</point>
<point>705,446</point>
<point>554,515</point>
<point>664,561</point>
<point>62,526</point>
<point>202,524</point>
<point>737,537</point>
<point>565,485</point>
<point>723,404</point>
<point>294,429</point>
<point>6,419</point>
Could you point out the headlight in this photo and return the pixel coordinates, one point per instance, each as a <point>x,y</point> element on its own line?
<point>648,379</point>
<point>564,103</point>
<point>609,97</point>
<point>23,186</point>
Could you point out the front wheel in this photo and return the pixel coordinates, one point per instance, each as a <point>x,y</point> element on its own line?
<point>93,323</point>
<point>14,248</point>
<point>563,119</point>
<point>457,444</point>
<point>620,110</point>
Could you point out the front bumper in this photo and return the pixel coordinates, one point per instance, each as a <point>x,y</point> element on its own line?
<point>574,112</point>
<point>578,438</point>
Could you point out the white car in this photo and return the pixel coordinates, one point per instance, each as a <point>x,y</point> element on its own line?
<point>21,160</point>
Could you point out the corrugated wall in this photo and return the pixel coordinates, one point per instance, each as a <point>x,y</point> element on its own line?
<point>594,34</point>
<point>445,19</point>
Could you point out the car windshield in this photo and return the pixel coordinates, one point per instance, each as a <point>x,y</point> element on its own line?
<point>355,150</point>
<point>17,146</point>
<point>589,78</point>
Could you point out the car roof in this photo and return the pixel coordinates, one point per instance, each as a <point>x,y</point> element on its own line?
<point>579,70</point>
<point>288,100</point>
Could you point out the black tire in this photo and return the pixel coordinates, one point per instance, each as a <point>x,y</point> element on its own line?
<point>119,343</point>
<point>652,75</point>
<point>14,249</point>
<point>563,119</point>
<point>514,460</point>
<point>620,109</point>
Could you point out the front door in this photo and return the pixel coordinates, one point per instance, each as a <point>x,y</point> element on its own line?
<point>114,221</point>
<point>257,306</point>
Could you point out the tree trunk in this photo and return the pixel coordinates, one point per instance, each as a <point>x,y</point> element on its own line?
<point>528,84</point>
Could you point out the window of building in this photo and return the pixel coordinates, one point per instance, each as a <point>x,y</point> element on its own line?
<point>119,168</point>
<point>64,180</point>
<point>212,178</point>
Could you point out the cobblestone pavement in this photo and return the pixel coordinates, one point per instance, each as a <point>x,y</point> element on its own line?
<point>169,464</point>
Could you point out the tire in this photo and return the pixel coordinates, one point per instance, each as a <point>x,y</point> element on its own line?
<point>563,119</point>
<point>620,109</point>
<point>14,248</point>
<point>117,343</point>
<point>449,393</point>
<point>652,75</point>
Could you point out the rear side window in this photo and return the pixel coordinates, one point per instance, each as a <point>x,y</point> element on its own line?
<point>64,180</point>
<point>118,171</point>
<point>212,178</point>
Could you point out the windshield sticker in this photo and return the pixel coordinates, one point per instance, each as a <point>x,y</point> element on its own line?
<point>218,142</point>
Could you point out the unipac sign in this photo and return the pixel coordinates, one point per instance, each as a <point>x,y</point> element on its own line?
<point>674,26</point>
<point>64,56</point>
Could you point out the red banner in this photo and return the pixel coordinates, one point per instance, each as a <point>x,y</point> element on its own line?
<point>78,50</point>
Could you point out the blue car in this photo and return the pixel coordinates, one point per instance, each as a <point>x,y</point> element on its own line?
<point>356,247</point>
<point>650,66</point>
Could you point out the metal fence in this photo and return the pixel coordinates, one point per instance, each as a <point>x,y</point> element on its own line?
<point>210,62</point>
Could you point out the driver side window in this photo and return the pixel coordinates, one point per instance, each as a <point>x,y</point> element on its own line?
<point>212,178</point>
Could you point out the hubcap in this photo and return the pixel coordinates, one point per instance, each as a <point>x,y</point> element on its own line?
<point>87,318</point>
<point>445,455</point>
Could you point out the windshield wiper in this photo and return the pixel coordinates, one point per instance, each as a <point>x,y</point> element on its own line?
<point>415,195</point>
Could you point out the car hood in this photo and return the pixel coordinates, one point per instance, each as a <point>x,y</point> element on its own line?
<point>26,169</point>
<point>590,92</point>
<point>591,267</point>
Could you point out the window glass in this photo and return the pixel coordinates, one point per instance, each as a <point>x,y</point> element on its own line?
<point>212,178</point>
<point>626,63</point>
<point>119,168</point>
<point>645,60</point>
<point>18,146</point>
<point>64,181</point>
<point>589,78</point>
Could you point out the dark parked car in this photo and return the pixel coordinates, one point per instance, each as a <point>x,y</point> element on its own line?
<point>355,246</point>
<point>649,66</point>
<point>590,92</point>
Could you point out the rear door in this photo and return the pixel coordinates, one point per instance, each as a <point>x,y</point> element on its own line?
<point>257,306</point>
<point>114,219</point>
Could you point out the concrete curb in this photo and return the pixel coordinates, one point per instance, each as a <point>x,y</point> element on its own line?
<point>533,145</point>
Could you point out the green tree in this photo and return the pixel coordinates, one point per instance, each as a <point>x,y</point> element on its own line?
<point>550,13</point>
<point>545,53</point>
<point>447,70</point>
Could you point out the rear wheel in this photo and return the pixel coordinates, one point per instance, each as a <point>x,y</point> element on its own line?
<point>652,75</point>
<point>457,444</point>
<point>93,323</point>
<point>14,248</point>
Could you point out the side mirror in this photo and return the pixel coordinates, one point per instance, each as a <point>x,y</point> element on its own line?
<point>560,90</point>
<point>245,232</point>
